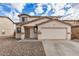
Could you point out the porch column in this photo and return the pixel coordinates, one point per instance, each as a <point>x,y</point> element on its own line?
<point>22,33</point>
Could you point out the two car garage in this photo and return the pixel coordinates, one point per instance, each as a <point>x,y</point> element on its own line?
<point>54,30</point>
<point>54,33</point>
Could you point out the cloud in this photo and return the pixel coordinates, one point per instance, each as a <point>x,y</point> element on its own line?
<point>18,6</point>
<point>68,11</point>
<point>13,15</point>
<point>74,12</point>
<point>57,8</point>
<point>7,10</point>
<point>72,16</point>
<point>39,10</point>
<point>75,5</point>
<point>31,13</point>
<point>49,7</point>
<point>59,13</point>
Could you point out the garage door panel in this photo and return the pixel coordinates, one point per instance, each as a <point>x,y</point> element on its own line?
<point>53,33</point>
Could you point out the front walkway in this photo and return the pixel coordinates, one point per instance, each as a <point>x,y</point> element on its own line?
<point>61,48</point>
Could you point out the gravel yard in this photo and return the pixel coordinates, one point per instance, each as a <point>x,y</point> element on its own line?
<point>10,47</point>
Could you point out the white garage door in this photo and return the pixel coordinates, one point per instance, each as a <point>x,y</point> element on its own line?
<point>53,33</point>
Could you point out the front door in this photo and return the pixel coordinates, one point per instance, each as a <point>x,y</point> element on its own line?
<point>27,32</point>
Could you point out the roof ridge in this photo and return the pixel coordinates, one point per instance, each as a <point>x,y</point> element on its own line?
<point>37,16</point>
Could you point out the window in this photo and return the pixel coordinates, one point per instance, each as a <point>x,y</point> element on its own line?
<point>18,30</point>
<point>23,19</point>
<point>3,31</point>
<point>35,29</point>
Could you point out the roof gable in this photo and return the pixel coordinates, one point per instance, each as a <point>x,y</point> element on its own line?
<point>36,20</point>
<point>53,20</point>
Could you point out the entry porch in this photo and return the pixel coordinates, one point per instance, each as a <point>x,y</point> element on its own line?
<point>26,32</point>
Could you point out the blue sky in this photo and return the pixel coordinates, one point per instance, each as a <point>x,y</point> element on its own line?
<point>67,10</point>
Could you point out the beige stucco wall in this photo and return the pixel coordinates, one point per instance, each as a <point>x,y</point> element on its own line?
<point>20,35</point>
<point>32,34</point>
<point>32,18</point>
<point>27,18</point>
<point>36,22</point>
<point>72,22</point>
<point>55,24</point>
<point>7,26</point>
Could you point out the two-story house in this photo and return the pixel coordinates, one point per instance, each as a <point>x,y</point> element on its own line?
<point>42,27</point>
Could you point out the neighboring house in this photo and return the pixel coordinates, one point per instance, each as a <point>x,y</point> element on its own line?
<point>75,28</point>
<point>72,22</point>
<point>6,27</point>
<point>42,27</point>
<point>75,32</point>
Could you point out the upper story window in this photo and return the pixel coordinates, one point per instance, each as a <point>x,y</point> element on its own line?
<point>23,19</point>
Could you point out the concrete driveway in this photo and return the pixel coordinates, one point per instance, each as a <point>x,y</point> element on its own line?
<point>61,48</point>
